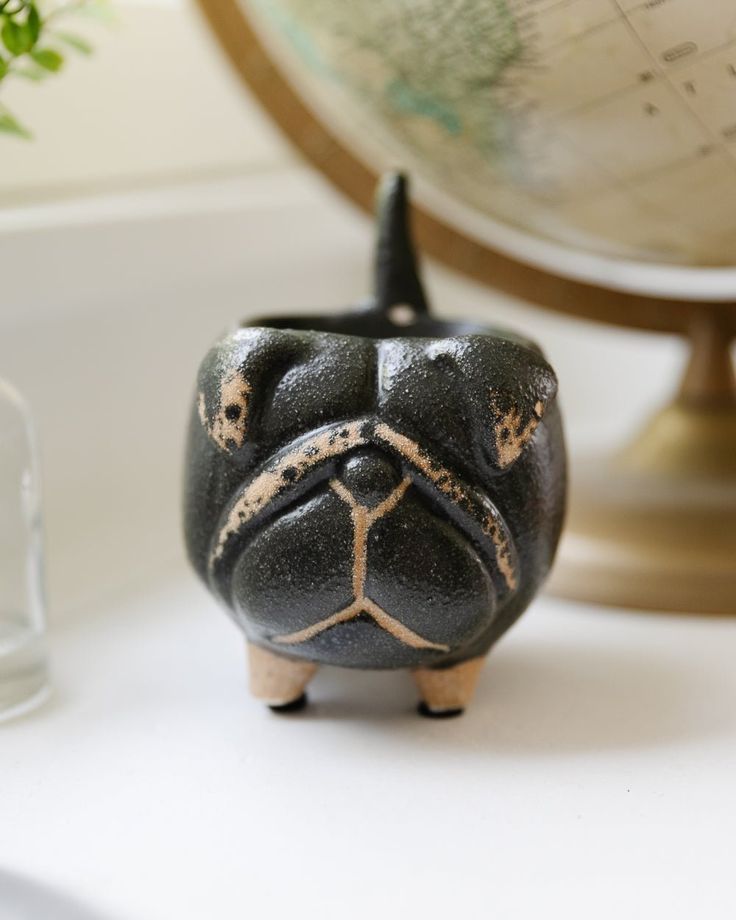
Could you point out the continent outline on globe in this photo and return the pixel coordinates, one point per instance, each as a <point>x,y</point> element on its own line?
<point>643,170</point>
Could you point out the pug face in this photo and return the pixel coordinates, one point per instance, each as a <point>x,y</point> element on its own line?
<point>375,503</point>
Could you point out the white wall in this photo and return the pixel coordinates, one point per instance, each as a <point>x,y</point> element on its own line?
<point>157,101</point>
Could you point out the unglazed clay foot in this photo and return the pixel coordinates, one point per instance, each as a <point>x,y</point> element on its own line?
<point>445,692</point>
<point>278,681</point>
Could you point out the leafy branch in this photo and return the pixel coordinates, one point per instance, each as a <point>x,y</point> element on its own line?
<point>33,48</point>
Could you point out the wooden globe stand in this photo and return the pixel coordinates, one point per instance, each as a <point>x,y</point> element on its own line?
<point>653,526</point>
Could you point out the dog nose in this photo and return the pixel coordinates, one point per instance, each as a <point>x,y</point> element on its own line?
<point>369,476</point>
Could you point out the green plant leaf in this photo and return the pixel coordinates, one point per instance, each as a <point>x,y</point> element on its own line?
<point>23,27</point>
<point>33,23</point>
<point>74,41</point>
<point>12,7</point>
<point>48,59</point>
<point>10,125</point>
<point>18,39</point>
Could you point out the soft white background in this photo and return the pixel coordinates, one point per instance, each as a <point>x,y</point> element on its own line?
<point>594,774</point>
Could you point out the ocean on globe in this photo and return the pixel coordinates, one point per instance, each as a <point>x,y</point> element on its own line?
<point>608,126</point>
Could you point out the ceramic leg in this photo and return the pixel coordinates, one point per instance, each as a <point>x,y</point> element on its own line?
<point>280,682</point>
<point>445,692</point>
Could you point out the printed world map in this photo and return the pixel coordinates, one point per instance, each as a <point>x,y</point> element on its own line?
<point>606,125</point>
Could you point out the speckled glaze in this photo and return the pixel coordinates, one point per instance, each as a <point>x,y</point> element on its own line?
<point>374,495</point>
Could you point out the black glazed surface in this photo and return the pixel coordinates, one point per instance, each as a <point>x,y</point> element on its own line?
<point>375,495</point>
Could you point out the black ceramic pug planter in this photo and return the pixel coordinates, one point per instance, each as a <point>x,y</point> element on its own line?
<point>374,495</point>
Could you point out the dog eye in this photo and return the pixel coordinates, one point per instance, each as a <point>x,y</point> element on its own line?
<point>227,425</point>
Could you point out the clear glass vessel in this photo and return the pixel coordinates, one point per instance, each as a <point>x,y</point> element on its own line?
<point>24,681</point>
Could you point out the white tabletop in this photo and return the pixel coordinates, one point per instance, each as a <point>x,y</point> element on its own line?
<point>593,775</point>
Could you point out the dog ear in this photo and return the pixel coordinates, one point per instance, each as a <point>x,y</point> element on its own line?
<point>507,386</point>
<point>226,421</point>
<point>478,398</point>
<point>517,395</point>
<point>229,381</point>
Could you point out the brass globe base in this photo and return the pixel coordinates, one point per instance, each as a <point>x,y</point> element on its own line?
<point>654,527</point>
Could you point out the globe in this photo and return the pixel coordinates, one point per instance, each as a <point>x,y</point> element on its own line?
<point>599,127</point>
<point>579,155</point>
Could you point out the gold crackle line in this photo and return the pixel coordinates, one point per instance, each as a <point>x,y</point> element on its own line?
<point>360,549</point>
<point>337,440</point>
<point>345,494</point>
<point>285,471</point>
<point>303,635</point>
<point>398,630</point>
<point>388,504</point>
<point>446,482</point>
<point>363,518</point>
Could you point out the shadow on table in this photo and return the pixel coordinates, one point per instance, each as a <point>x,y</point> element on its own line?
<point>544,699</point>
<point>23,898</point>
